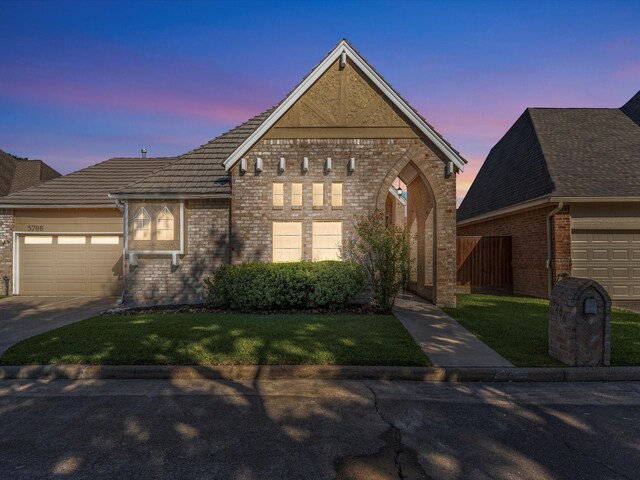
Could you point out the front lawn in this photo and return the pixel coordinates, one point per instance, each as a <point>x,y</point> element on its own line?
<point>224,339</point>
<point>517,328</point>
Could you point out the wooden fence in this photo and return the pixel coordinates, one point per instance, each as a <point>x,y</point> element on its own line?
<point>484,265</point>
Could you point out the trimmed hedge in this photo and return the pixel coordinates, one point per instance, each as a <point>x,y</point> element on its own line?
<point>284,286</point>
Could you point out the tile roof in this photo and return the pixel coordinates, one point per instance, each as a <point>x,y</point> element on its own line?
<point>17,174</point>
<point>566,152</point>
<point>199,172</point>
<point>89,186</point>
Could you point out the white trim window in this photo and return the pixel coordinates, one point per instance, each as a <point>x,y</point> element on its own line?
<point>142,225</point>
<point>287,241</point>
<point>165,225</point>
<point>327,238</point>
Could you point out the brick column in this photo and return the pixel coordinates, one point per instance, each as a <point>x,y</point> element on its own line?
<point>561,241</point>
<point>6,249</point>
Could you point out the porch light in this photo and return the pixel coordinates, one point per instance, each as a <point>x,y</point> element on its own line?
<point>258,164</point>
<point>243,165</point>
<point>305,164</point>
<point>133,259</point>
<point>352,164</point>
<point>281,164</point>
<point>327,165</point>
<point>399,190</point>
<point>175,259</point>
<point>449,170</point>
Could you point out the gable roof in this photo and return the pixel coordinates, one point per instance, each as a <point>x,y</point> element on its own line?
<point>344,49</point>
<point>203,172</point>
<point>87,187</point>
<point>197,173</point>
<point>632,108</point>
<point>561,152</point>
<point>18,174</point>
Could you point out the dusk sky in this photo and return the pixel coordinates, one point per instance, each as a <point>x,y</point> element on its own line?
<point>81,82</point>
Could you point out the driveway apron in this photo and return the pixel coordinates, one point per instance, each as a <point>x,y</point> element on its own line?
<point>23,317</point>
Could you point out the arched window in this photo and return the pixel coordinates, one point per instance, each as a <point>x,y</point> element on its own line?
<point>142,225</point>
<point>165,225</point>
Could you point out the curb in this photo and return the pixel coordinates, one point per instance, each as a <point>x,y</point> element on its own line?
<point>329,372</point>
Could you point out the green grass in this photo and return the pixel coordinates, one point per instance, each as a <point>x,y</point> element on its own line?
<point>517,328</point>
<point>223,339</point>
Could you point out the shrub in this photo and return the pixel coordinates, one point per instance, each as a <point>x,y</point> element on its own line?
<point>383,252</point>
<point>278,286</point>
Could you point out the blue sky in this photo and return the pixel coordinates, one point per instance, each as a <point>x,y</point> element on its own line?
<point>81,82</point>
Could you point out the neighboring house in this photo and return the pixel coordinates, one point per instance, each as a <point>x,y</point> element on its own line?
<point>18,174</point>
<point>564,184</point>
<point>286,185</point>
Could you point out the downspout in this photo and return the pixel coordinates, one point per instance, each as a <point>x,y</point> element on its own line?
<point>550,248</point>
<point>120,205</point>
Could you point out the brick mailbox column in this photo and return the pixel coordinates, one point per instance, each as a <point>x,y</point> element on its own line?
<point>580,323</point>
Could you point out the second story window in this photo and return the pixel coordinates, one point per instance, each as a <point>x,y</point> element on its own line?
<point>336,194</point>
<point>165,230</point>
<point>142,225</point>
<point>278,195</point>
<point>296,194</point>
<point>318,195</point>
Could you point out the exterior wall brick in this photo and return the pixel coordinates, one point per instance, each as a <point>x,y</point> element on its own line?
<point>6,249</point>
<point>154,281</point>
<point>378,163</point>
<point>528,232</point>
<point>561,231</point>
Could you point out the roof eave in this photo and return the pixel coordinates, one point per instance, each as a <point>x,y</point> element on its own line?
<point>177,196</point>
<point>538,202</point>
<point>295,95</point>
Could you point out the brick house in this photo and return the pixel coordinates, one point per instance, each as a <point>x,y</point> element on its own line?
<point>286,185</point>
<point>564,184</point>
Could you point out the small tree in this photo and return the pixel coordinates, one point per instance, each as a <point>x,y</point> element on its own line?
<point>383,252</point>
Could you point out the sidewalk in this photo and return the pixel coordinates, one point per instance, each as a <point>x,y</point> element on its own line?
<point>443,340</point>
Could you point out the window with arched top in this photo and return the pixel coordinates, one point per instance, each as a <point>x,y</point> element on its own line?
<point>165,230</point>
<point>142,225</point>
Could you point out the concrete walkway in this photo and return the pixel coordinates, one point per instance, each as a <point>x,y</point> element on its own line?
<point>443,340</point>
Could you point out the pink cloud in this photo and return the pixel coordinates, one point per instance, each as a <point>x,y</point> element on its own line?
<point>131,98</point>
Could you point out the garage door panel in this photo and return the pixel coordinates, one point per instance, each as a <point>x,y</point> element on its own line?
<point>71,266</point>
<point>609,257</point>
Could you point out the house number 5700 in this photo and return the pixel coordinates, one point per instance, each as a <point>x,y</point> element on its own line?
<point>35,228</point>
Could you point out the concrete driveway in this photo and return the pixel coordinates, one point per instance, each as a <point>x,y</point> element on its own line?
<point>23,317</point>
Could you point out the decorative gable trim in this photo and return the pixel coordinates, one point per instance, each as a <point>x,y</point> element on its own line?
<point>344,49</point>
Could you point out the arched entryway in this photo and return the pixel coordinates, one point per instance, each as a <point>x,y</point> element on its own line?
<point>410,201</point>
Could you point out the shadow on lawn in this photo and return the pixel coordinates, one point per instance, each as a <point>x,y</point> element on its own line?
<point>312,430</point>
<point>219,339</point>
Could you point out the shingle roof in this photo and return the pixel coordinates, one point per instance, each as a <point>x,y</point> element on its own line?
<point>17,174</point>
<point>566,152</point>
<point>632,108</point>
<point>514,171</point>
<point>89,186</point>
<point>200,171</point>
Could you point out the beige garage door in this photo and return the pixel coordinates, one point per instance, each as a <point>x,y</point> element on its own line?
<point>70,265</point>
<point>611,257</point>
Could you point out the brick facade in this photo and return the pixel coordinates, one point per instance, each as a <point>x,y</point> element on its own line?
<point>155,281</point>
<point>378,163</point>
<point>6,249</point>
<point>528,232</point>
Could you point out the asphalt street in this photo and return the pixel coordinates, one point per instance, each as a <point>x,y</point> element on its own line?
<point>305,429</point>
